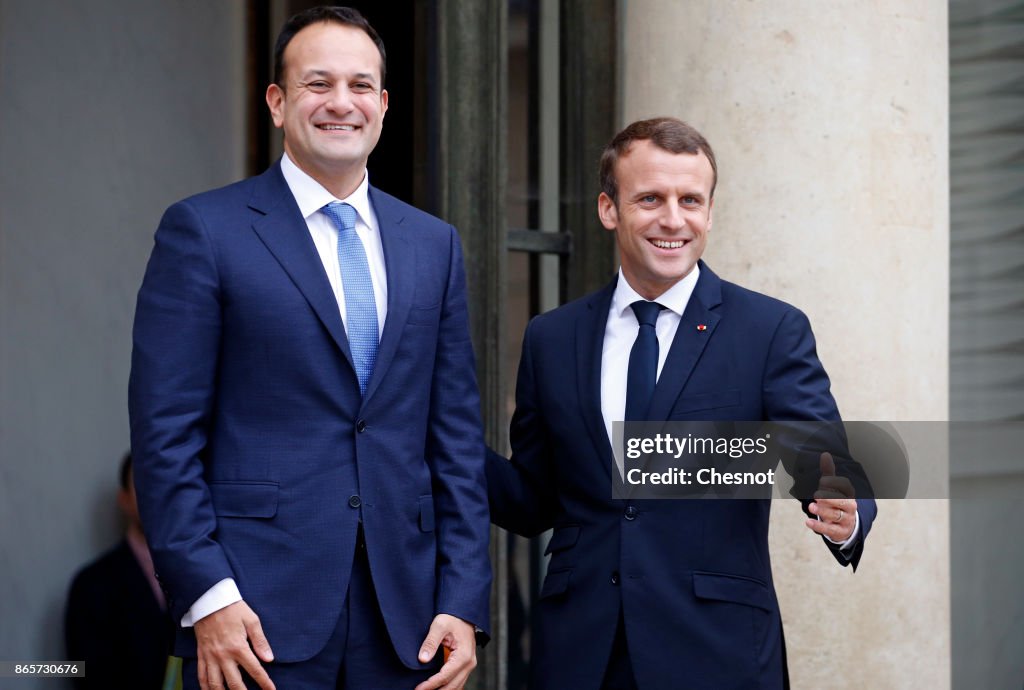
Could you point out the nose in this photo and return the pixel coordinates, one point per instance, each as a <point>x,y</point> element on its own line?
<point>340,100</point>
<point>672,218</point>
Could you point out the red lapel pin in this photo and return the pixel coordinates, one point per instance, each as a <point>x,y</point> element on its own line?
<point>701,327</point>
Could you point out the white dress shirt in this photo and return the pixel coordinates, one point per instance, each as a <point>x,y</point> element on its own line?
<point>311,196</point>
<point>619,334</point>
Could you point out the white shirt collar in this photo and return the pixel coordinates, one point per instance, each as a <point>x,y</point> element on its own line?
<point>311,196</point>
<point>674,299</point>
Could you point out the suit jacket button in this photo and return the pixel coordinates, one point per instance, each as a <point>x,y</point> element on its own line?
<point>355,501</point>
<point>361,425</point>
<point>615,577</point>
<point>631,512</point>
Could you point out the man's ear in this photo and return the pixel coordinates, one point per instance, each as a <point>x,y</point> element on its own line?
<point>383,102</point>
<point>122,499</point>
<point>275,101</point>
<point>711,208</point>
<point>124,502</point>
<point>607,212</point>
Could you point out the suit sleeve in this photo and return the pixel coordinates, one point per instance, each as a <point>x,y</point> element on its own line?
<point>455,452</point>
<point>796,387</point>
<point>171,392</point>
<point>521,490</point>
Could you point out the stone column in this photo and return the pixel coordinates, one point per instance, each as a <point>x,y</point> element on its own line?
<point>830,122</point>
<point>471,173</point>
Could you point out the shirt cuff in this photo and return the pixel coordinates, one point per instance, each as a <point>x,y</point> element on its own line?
<point>222,594</point>
<point>854,537</point>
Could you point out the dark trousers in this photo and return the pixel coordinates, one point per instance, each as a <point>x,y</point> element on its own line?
<point>359,655</point>
<point>619,674</point>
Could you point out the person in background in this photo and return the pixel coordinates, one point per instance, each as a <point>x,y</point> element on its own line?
<point>116,618</point>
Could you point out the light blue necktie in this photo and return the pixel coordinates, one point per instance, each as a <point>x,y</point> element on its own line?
<point>360,305</point>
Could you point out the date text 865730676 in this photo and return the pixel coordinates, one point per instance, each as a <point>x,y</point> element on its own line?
<point>42,669</point>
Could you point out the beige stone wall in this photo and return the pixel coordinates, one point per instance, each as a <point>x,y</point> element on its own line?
<point>830,124</point>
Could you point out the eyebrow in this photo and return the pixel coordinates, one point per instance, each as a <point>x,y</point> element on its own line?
<point>366,76</point>
<point>640,195</point>
<point>315,73</point>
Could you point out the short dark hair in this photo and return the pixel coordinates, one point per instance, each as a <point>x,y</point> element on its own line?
<point>125,471</point>
<point>338,15</point>
<point>667,133</point>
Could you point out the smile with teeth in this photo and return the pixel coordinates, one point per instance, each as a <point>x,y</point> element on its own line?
<point>665,244</point>
<point>344,128</point>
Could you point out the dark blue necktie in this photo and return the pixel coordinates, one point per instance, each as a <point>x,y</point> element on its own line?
<point>643,362</point>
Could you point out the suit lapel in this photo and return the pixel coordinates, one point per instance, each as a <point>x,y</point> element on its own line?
<point>590,329</point>
<point>696,327</point>
<point>283,230</point>
<point>400,259</point>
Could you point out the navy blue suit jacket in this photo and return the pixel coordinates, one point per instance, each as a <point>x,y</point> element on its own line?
<point>692,578</point>
<point>255,455</point>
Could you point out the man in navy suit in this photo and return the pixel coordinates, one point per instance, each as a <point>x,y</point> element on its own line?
<point>655,594</point>
<point>304,409</point>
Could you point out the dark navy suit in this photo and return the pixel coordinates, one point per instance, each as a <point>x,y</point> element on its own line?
<point>255,456</point>
<point>692,579</point>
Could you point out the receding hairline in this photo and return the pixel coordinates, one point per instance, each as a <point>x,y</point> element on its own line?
<point>377,77</point>
<point>669,134</point>
<point>345,16</point>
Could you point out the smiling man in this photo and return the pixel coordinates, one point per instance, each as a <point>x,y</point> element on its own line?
<point>667,593</point>
<point>304,408</point>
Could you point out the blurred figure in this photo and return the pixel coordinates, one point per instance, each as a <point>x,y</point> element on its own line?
<point>116,618</point>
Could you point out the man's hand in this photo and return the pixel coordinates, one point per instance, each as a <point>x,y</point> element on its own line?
<point>460,638</point>
<point>833,503</point>
<point>223,642</point>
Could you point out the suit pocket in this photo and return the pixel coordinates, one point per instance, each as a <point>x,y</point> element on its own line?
<point>244,499</point>
<point>555,583</point>
<point>563,538</point>
<point>694,402</point>
<point>426,513</point>
<point>424,314</point>
<point>733,588</point>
